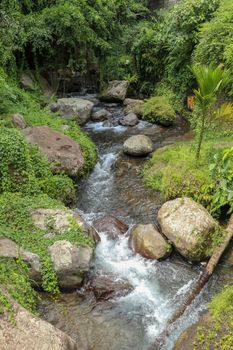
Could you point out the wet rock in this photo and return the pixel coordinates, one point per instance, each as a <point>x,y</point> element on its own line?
<point>63,153</point>
<point>129,120</point>
<point>9,249</point>
<point>27,81</point>
<point>147,241</point>
<point>71,263</point>
<point>188,226</point>
<point>104,287</point>
<point>60,221</point>
<point>74,108</point>
<point>187,338</point>
<point>30,332</point>
<point>100,115</point>
<point>18,121</point>
<point>133,106</point>
<point>138,145</point>
<point>111,122</point>
<point>111,225</point>
<point>116,91</point>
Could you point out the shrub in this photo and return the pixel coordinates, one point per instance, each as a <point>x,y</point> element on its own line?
<point>174,172</point>
<point>159,110</point>
<point>16,224</point>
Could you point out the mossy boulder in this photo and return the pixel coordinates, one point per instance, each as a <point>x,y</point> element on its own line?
<point>159,110</point>
<point>189,226</point>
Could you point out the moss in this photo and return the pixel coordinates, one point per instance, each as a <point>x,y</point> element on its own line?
<point>16,224</point>
<point>159,110</point>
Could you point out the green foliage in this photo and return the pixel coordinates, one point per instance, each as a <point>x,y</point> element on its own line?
<point>24,169</point>
<point>14,278</point>
<point>159,110</point>
<point>174,172</point>
<point>210,80</point>
<point>215,39</point>
<point>16,224</point>
<point>218,334</point>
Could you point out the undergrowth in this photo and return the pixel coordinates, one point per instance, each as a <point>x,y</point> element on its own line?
<point>16,224</point>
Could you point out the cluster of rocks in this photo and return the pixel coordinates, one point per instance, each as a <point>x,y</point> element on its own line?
<point>183,223</point>
<point>71,262</point>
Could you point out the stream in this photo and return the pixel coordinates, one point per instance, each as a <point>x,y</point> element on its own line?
<point>115,186</point>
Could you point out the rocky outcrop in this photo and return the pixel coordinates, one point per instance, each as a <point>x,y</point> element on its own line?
<point>104,287</point>
<point>30,332</point>
<point>116,91</point>
<point>188,226</point>
<point>74,108</point>
<point>133,106</point>
<point>138,145</point>
<point>147,241</point>
<point>45,86</point>
<point>63,153</point>
<point>100,115</point>
<point>60,221</point>
<point>9,249</point>
<point>112,226</point>
<point>70,262</point>
<point>129,120</point>
<point>18,121</point>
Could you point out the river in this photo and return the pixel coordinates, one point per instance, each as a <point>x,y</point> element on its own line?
<point>115,186</point>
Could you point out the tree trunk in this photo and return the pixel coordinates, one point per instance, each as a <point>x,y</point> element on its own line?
<point>200,136</point>
<point>203,279</point>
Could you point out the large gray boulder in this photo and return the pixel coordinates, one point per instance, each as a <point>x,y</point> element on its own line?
<point>138,145</point>
<point>116,91</point>
<point>9,249</point>
<point>147,241</point>
<point>129,120</point>
<point>71,263</point>
<point>27,80</point>
<point>63,153</point>
<point>30,332</point>
<point>189,226</point>
<point>74,108</point>
<point>60,221</point>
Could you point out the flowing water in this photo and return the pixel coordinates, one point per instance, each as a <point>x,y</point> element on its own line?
<point>115,187</point>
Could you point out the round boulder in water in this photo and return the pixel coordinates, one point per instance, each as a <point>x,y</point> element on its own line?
<point>148,242</point>
<point>138,145</point>
<point>100,115</point>
<point>129,120</point>
<point>110,225</point>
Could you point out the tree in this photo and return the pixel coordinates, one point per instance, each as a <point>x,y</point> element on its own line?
<point>210,80</point>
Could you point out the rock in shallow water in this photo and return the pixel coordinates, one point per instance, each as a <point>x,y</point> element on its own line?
<point>100,115</point>
<point>111,225</point>
<point>188,226</point>
<point>148,242</point>
<point>104,287</point>
<point>129,120</point>
<point>138,145</point>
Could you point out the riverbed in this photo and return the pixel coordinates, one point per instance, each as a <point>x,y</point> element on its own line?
<point>116,187</point>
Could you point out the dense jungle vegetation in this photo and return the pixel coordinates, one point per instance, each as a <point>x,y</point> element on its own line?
<point>102,40</point>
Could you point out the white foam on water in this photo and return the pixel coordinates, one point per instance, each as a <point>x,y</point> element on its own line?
<point>99,126</point>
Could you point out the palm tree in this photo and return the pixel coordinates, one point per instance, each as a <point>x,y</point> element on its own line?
<point>210,79</point>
